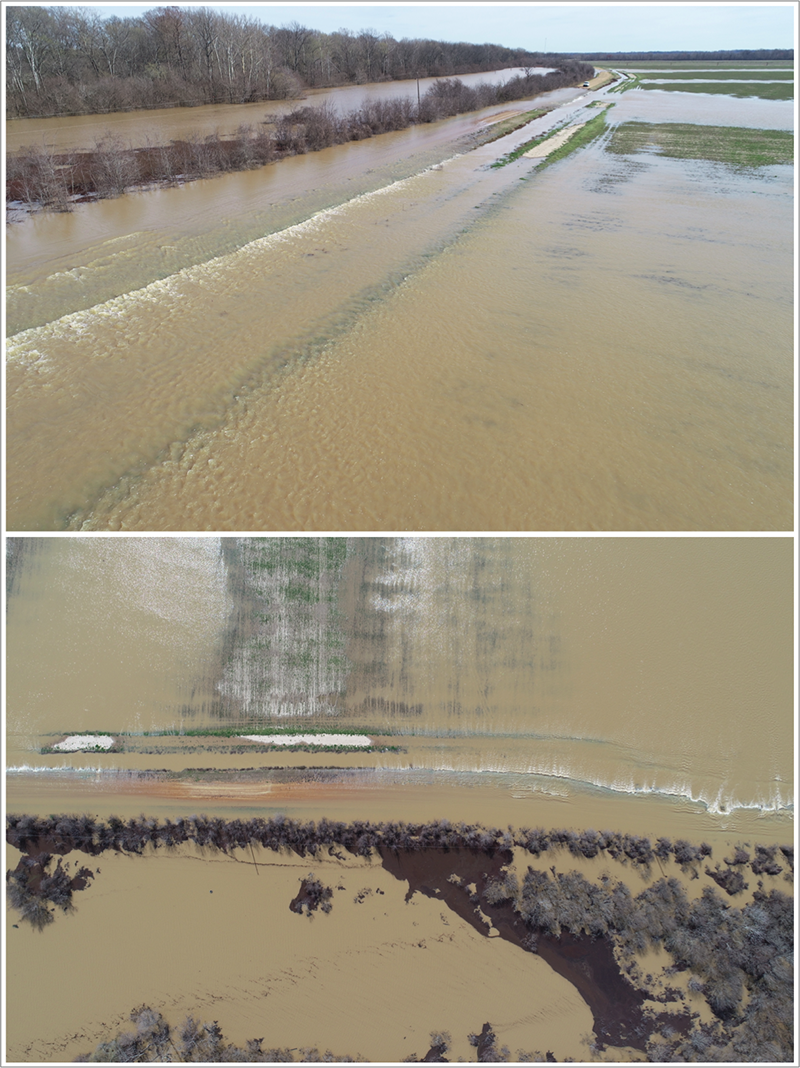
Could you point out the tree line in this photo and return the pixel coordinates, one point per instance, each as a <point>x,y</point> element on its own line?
<point>72,60</point>
<point>62,834</point>
<point>37,176</point>
<point>716,57</point>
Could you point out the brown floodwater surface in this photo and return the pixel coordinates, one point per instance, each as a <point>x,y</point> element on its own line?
<point>651,675</point>
<point>162,125</point>
<point>393,335</point>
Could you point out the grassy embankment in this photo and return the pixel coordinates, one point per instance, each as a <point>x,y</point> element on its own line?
<point>629,83</point>
<point>509,125</point>
<point>605,77</point>
<point>593,128</point>
<point>737,146</point>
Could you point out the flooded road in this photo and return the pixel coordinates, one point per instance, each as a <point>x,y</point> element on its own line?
<point>394,336</point>
<point>651,677</point>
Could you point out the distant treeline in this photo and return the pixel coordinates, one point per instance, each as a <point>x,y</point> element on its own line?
<point>73,61</point>
<point>740,959</point>
<point>37,176</point>
<point>741,53</point>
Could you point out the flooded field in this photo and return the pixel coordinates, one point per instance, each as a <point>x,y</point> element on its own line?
<point>643,686</point>
<point>371,337</point>
<point>656,673</point>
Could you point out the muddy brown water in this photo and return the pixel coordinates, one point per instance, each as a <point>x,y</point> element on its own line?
<point>647,679</point>
<point>392,335</point>
<point>161,125</point>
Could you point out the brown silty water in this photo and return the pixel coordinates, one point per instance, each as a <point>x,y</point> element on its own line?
<point>412,324</point>
<point>639,684</point>
<point>652,676</point>
<point>136,128</point>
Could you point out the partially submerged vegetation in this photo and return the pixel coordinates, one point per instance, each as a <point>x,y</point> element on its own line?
<point>271,739</point>
<point>588,132</point>
<point>703,75</point>
<point>37,176</point>
<point>583,134</point>
<point>630,82</point>
<point>507,126</point>
<point>763,90</point>
<point>739,958</point>
<point>738,146</point>
<point>155,1041</point>
<point>520,150</point>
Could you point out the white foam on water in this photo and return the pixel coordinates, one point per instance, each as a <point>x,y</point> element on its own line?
<point>157,292</point>
<point>309,739</point>
<point>77,742</point>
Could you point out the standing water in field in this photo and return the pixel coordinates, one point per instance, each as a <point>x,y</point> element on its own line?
<point>395,335</point>
<point>648,672</point>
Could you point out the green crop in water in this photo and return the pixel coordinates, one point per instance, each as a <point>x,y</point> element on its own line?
<point>735,145</point>
<point>724,75</point>
<point>623,87</point>
<point>507,126</point>
<point>764,90</point>
<point>522,149</point>
<point>593,128</point>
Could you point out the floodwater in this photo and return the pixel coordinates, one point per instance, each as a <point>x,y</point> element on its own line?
<point>650,680</point>
<point>75,133</point>
<point>640,684</point>
<point>393,336</point>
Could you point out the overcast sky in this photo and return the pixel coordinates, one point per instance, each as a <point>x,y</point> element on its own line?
<point>556,27</point>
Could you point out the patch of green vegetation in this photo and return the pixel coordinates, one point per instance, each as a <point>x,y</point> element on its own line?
<point>593,128</point>
<point>725,75</point>
<point>507,126</point>
<point>705,64</point>
<point>522,149</point>
<point>763,90</point>
<point>624,86</point>
<point>735,145</point>
<point>245,728</point>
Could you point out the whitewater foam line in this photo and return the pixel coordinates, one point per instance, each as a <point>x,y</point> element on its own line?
<point>39,769</point>
<point>80,322</point>
<point>718,805</point>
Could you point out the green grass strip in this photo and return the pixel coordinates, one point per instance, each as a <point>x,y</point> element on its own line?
<point>507,126</point>
<point>735,145</point>
<point>765,91</point>
<point>624,86</point>
<point>703,64</point>
<point>725,75</point>
<point>593,128</point>
<point>522,149</point>
<point>230,732</point>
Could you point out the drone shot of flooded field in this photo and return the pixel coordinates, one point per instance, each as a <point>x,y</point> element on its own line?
<point>400,798</point>
<point>399,540</point>
<point>521,292</point>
